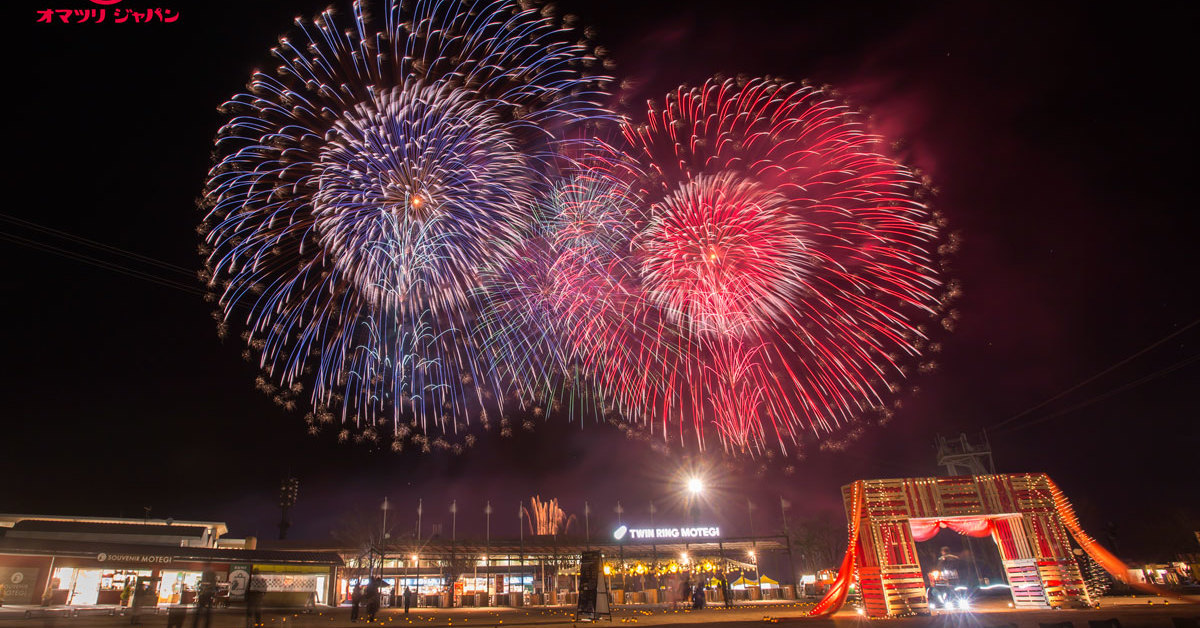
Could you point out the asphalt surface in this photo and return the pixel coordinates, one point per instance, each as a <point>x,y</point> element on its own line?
<point>1130,612</point>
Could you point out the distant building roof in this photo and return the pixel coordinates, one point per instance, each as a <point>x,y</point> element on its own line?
<point>95,527</point>
<point>131,525</point>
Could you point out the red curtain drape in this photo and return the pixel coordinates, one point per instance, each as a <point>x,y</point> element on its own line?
<point>1111,564</point>
<point>836,596</point>
<point>925,529</point>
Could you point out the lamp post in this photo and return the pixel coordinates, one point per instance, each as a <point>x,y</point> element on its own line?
<point>757,573</point>
<point>453,548</point>
<point>521,525</point>
<point>487,556</point>
<point>695,486</point>
<point>383,534</point>
<point>653,546</point>
<point>620,511</point>
<point>416,558</point>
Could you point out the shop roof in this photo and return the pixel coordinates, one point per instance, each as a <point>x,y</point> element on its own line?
<point>87,549</point>
<point>9,520</point>
<point>437,547</point>
<point>95,527</point>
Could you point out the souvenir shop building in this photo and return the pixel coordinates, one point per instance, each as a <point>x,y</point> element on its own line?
<point>98,561</point>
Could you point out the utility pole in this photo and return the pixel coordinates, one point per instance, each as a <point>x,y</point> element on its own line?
<point>587,524</point>
<point>383,534</point>
<point>787,536</point>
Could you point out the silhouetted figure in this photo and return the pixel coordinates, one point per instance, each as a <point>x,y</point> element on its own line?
<point>371,599</point>
<point>726,592</point>
<point>355,601</point>
<point>698,596</point>
<point>205,597</point>
<point>255,592</point>
<point>407,599</point>
<point>948,567</point>
<point>141,597</point>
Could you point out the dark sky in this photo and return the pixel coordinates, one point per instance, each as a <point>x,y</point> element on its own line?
<point>1059,137</point>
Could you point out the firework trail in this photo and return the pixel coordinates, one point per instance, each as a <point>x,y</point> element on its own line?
<point>360,190</point>
<point>788,268</point>
<point>546,517</point>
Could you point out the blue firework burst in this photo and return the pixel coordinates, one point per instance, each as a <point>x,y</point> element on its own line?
<point>360,190</point>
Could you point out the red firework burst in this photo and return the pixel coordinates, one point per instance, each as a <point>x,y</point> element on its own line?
<point>787,264</point>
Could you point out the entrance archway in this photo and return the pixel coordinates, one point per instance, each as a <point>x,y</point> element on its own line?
<point>1025,514</point>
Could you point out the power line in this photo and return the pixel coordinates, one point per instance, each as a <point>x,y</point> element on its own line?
<point>99,245</point>
<point>1093,378</point>
<point>100,263</point>
<point>1116,391</point>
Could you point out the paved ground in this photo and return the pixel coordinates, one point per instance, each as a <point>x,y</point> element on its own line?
<point>1131,612</point>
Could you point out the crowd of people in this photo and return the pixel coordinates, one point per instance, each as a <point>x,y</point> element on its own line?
<point>365,600</point>
<point>695,594</point>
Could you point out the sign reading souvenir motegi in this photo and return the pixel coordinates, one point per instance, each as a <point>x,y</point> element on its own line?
<point>658,534</point>
<point>18,584</point>
<point>132,558</point>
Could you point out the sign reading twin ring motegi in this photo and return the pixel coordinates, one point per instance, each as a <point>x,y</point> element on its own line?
<point>647,534</point>
<point>132,558</point>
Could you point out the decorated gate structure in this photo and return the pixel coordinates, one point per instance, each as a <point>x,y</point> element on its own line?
<point>1021,512</point>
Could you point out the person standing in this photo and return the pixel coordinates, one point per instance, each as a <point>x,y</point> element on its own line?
<point>141,596</point>
<point>255,592</point>
<point>407,599</point>
<point>355,601</point>
<point>726,591</point>
<point>371,598</point>
<point>205,598</point>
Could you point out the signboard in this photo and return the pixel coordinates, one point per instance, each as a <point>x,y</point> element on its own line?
<point>18,583</point>
<point>593,589</point>
<point>666,534</point>
<point>239,581</point>
<point>159,559</point>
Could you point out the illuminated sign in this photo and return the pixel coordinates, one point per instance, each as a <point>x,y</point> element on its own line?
<point>132,558</point>
<point>651,534</point>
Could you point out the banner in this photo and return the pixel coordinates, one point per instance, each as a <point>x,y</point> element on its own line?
<point>18,583</point>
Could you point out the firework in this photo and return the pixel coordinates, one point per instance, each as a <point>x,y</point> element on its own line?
<point>360,190</point>
<point>546,517</point>
<point>560,310</point>
<point>787,265</point>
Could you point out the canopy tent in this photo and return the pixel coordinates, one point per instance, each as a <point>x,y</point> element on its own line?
<point>765,581</point>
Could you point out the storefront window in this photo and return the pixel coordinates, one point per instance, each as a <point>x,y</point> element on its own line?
<point>88,587</point>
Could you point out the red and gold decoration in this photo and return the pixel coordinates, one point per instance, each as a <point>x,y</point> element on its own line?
<point>1024,513</point>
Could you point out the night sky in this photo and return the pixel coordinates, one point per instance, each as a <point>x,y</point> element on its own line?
<point>1058,136</point>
